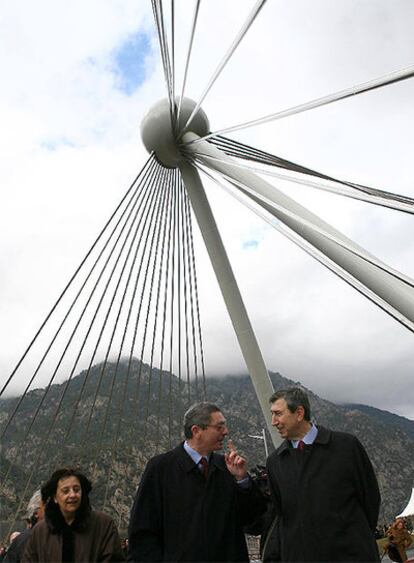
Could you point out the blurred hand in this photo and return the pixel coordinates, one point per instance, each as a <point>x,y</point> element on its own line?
<point>235,463</point>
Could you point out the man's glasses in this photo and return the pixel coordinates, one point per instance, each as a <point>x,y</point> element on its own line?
<point>219,426</point>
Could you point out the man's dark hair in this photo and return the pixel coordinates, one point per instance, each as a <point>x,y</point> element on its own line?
<point>200,415</point>
<point>295,397</point>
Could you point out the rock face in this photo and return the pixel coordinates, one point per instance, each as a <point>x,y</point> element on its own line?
<point>109,423</point>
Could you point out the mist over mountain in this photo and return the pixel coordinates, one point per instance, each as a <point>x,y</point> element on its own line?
<point>110,421</point>
<point>385,417</point>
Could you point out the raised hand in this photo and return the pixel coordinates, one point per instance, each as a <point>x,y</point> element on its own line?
<point>235,463</point>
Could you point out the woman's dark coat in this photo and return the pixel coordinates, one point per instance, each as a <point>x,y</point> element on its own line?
<point>178,515</point>
<point>327,500</point>
<point>95,539</point>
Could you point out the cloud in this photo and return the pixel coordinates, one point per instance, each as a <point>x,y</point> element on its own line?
<point>130,62</point>
<point>77,79</point>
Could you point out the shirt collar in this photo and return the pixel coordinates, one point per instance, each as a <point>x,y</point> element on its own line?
<point>309,438</point>
<point>195,456</point>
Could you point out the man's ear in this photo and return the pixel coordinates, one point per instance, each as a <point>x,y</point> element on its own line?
<point>300,412</point>
<point>195,430</point>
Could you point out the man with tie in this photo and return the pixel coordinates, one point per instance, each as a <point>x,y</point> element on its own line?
<point>325,493</point>
<point>192,502</point>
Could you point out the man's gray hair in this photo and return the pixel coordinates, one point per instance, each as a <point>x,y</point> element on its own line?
<point>199,415</point>
<point>34,504</point>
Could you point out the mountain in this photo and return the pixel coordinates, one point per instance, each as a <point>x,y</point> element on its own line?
<point>111,419</point>
<point>387,418</point>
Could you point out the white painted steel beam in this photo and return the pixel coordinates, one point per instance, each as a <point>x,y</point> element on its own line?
<point>394,291</point>
<point>230,291</point>
<point>159,137</point>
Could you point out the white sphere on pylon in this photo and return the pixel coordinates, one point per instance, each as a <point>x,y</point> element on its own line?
<point>161,136</point>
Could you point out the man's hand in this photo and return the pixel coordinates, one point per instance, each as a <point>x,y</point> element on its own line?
<point>236,464</point>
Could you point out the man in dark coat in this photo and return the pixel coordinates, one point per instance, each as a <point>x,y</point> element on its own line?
<point>324,490</point>
<point>35,512</point>
<point>192,502</point>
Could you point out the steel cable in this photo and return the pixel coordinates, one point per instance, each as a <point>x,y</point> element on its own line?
<point>45,394</point>
<point>187,62</point>
<point>78,269</point>
<point>118,426</point>
<point>347,189</point>
<point>236,42</point>
<point>195,283</point>
<point>41,449</point>
<point>144,202</point>
<point>165,57</point>
<point>155,227</point>
<point>319,256</point>
<point>152,225</point>
<point>160,248</point>
<point>385,80</point>
<point>166,280</point>
<point>361,253</point>
<point>149,228</point>
<point>173,293</point>
<point>185,290</point>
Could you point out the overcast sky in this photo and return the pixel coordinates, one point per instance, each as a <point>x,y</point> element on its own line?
<point>78,77</point>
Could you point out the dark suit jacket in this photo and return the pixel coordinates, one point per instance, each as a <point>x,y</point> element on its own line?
<point>15,551</point>
<point>179,516</point>
<point>327,499</point>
